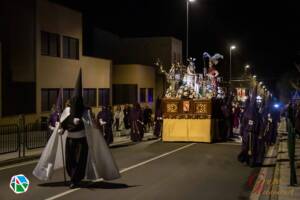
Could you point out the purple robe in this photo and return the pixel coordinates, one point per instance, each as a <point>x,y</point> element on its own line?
<point>54,117</point>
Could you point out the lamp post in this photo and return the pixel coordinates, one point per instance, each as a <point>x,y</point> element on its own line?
<point>187,27</point>
<point>231,48</point>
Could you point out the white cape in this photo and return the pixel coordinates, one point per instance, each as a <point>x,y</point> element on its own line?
<point>100,162</point>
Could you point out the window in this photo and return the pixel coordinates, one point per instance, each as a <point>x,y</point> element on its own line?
<point>150,95</point>
<point>104,96</point>
<point>50,44</point>
<point>49,97</point>
<point>70,48</point>
<point>67,94</point>
<point>89,97</point>
<point>125,93</point>
<point>142,94</point>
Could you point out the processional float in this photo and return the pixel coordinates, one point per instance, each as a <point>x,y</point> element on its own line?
<point>188,101</point>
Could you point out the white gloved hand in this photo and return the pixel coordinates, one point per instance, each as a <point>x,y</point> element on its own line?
<point>60,131</point>
<point>102,122</point>
<point>51,128</point>
<point>76,121</point>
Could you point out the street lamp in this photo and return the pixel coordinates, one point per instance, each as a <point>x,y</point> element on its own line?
<point>232,47</point>
<point>254,76</point>
<point>187,27</point>
<point>247,66</point>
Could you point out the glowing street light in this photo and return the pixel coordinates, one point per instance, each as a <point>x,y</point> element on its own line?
<point>254,76</point>
<point>260,83</point>
<point>247,66</point>
<point>232,47</point>
<point>187,27</point>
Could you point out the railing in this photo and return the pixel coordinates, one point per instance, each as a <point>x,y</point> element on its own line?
<point>36,135</point>
<point>9,139</point>
<point>18,139</point>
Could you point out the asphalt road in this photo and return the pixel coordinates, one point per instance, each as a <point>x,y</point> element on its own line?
<point>151,170</point>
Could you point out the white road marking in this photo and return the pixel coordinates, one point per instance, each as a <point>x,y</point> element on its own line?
<point>18,165</point>
<point>230,143</point>
<point>124,170</point>
<point>36,160</point>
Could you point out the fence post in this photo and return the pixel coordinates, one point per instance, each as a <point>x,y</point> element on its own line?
<point>22,132</point>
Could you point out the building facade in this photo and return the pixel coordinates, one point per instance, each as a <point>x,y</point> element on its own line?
<point>43,53</point>
<point>59,58</point>
<point>133,83</point>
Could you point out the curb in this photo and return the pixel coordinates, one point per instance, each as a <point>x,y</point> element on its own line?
<point>263,183</point>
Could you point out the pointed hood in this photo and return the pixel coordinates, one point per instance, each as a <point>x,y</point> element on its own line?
<point>76,102</point>
<point>78,86</point>
<point>58,105</point>
<point>251,108</point>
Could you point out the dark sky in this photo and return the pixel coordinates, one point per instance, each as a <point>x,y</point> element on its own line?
<point>265,32</point>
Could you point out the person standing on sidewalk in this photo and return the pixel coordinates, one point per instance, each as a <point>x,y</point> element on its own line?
<point>291,142</point>
<point>137,124</point>
<point>126,119</point>
<point>158,119</point>
<point>118,118</point>
<point>105,120</point>
<point>147,117</point>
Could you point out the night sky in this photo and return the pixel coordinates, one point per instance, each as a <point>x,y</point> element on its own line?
<point>266,33</point>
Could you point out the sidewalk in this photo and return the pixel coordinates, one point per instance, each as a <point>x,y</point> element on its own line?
<point>284,191</point>
<point>274,183</point>
<point>11,158</point>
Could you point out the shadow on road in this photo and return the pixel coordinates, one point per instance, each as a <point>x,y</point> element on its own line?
<point>122,145</point>
<point>55,184</point>
<point>90,185</point>
<point>108,185</point>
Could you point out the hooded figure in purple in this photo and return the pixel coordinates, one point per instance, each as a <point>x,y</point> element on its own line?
<point>261,136</point>
<point>55,113</point>
<point>249,130</point>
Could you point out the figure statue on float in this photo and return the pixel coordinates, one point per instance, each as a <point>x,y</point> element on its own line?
<point>212,71</point>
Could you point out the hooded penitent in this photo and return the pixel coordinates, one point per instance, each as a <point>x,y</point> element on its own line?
<point>77,107</point>
<point>100,162</point>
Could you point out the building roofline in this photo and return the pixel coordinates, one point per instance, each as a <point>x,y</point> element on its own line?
<point>151,37</point>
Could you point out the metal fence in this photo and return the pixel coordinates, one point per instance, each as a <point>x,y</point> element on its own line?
<point>36,135</point>
<point>9,139</point>
<point>15,138</point>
